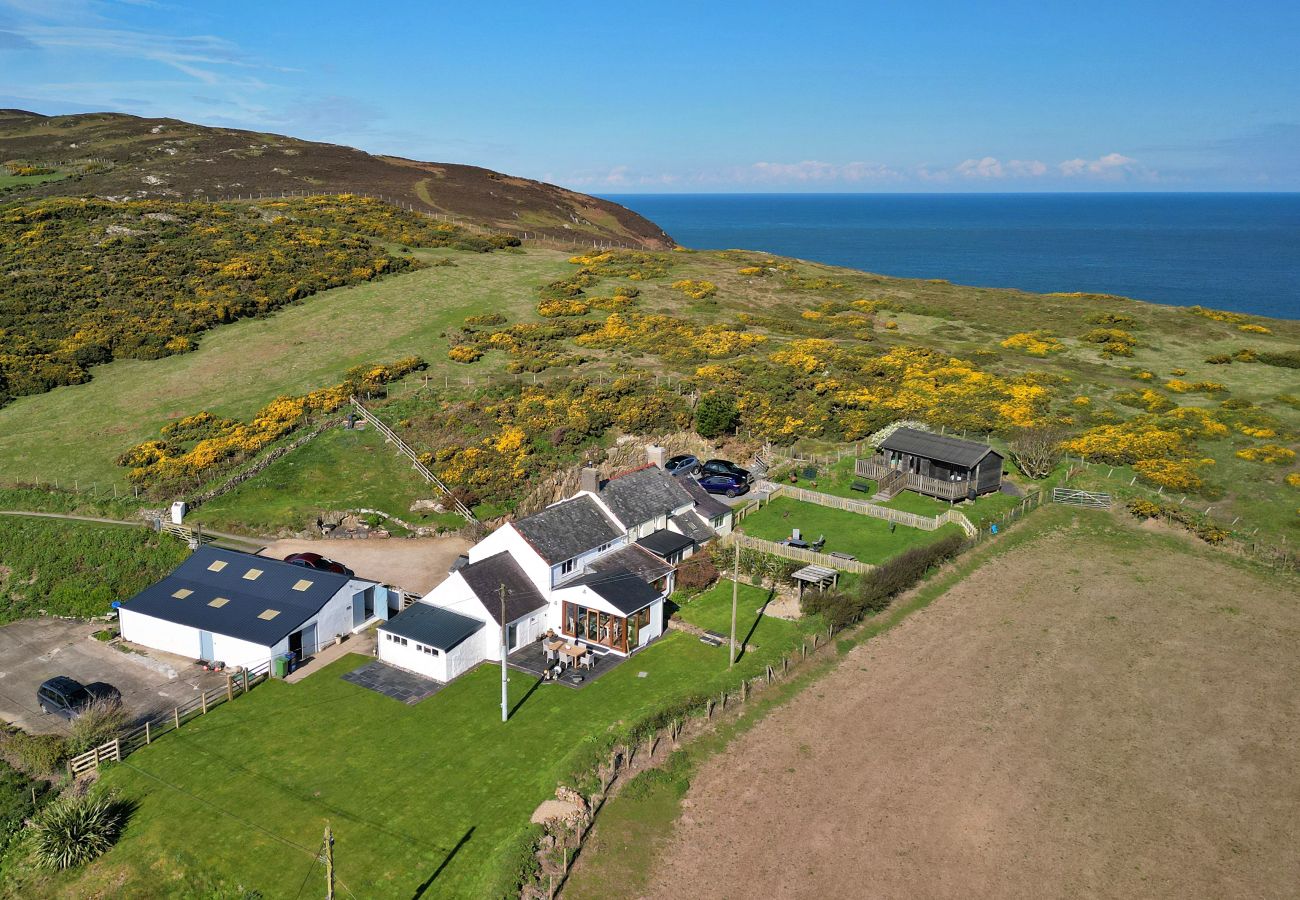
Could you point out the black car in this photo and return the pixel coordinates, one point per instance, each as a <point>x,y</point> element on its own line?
<point>726,467</point>
<point>729,485</point>
<point>67,697</point>
<point>319,563</point>
<point>684,464</point>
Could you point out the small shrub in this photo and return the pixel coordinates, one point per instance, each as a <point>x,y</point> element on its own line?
<point>696,573</point>
<point>715,415</point>
<point>1143,509</point>
<point>73,830</point>
<point>38,754</point>
<point>464,353</point>
<point>486,319</point>
<point>99,722</point>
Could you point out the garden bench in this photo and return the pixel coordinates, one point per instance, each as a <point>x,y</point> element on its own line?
<point>838,555</point>
<point>860,485</point>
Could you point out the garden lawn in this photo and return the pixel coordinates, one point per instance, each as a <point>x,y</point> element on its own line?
<point>866,538</point>
<point>338,470</point>
<point>423,798</point>
<point>711,610</point>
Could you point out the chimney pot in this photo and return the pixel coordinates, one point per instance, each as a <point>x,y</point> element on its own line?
<point>656,455</point>
<point>590,479</point>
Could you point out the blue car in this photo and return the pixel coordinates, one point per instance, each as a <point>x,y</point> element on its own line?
<point>730,485</point>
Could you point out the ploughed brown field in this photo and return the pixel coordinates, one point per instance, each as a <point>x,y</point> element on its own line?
<point>1101,712</point>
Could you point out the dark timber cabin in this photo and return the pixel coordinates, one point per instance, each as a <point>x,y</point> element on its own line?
<point>937,465</point>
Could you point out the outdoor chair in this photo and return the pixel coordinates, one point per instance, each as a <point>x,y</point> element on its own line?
<point>860,485</point>
<point>818,544</point>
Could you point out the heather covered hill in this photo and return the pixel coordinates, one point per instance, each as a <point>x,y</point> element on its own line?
<point>126,157</point>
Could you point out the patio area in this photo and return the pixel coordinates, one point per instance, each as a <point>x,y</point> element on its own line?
<point>393,682</point>
<point>532,659</point>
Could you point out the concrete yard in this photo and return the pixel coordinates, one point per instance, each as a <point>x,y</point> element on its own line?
<point>33,650</point>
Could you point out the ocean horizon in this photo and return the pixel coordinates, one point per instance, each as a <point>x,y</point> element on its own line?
<point>1235,251</point>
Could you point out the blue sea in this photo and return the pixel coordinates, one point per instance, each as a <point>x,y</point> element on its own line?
<point>1230,251</point>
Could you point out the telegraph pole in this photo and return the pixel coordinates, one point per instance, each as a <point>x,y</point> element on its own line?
<point>735,591</point>
<point>329,862</point>
<point>505,703</point>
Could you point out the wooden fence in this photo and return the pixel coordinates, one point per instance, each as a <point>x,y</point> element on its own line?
<point>801,555</point>
<point>1092,499</point>
<point>193,536</point>
<point>866,508</point>
<point>149,731</point>
<point>405,449</point>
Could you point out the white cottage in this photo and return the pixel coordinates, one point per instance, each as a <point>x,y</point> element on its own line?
<point>595,568</point>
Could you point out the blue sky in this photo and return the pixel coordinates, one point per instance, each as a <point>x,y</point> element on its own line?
<point>666,96</point>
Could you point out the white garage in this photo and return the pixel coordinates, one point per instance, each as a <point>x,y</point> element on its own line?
<point>242,610</point>
<point>431,641</point>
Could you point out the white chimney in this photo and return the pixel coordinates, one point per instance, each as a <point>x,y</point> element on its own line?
<point>179,509</point>
<point>590,479</point>
<point>656,455</point>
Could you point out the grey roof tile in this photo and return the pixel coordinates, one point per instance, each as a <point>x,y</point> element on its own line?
<point>940,447</point>
<point>643,495</point>
<point>485,578</point>
<point>568,529</point>
<point>432,625</point>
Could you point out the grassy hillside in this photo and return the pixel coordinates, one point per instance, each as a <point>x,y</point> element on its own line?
<point>1177,400</point>
<point>126,157</point>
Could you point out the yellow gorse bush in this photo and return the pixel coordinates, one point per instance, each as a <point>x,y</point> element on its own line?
<point>1274,454</point>
<point>696,290</point>
<point>1035,343</point>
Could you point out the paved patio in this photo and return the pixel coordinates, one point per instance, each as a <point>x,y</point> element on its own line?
<point>532,659</point>
<point>393,682</point>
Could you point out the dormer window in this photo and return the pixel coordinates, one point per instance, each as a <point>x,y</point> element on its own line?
<point>568,566</point>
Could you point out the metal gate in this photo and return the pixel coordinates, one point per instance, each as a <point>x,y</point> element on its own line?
<point>1092,499</point>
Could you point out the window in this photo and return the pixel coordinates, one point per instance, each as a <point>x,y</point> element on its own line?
<point>432,651</point>
<point>568,566</point>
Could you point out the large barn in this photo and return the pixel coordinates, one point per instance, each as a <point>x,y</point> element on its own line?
<point>231,607</point>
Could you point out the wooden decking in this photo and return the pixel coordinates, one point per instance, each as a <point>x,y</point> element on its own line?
<point>876,467</point>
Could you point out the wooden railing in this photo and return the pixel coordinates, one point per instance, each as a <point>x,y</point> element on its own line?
<point>798,553</point>
<point>890,483</point>
<point>149,731</point>
<point>878,469</point>
<point>405,449</point>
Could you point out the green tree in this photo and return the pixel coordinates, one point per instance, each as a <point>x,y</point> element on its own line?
<point>716,414</point>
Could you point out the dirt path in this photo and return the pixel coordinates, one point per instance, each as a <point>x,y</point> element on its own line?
<point>414,564</point>
<point>1090,715</point>
<point>224,535</point>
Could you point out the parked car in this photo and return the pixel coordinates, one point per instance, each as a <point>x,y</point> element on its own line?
<point>68,698</point>
<point>684,464</point>
<point>726,467</point>
<point>319,563</point>
<point>729,485</point>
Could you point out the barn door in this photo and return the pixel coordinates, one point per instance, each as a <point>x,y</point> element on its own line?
<point>205,645</point>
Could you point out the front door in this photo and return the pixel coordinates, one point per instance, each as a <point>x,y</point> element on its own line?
<point>512,636</point>
<point>205,645</point>
<point>359,612</point>
<point>308,641</point>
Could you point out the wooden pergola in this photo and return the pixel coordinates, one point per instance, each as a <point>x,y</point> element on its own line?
<point>821,576</point>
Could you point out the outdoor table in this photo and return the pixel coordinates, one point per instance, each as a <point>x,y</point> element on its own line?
<point>791,542</point>
<point>575,653</point>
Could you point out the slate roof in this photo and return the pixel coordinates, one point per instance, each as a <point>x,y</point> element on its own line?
<point>643,495</point>
<point>637,560</point>
<point>485,578</point>
<point>939,447</point>
<point>621,588</point>
<point>707,505</point>
<point>693,527</point>
<point>211,574</point>
<point>432,625</point>
<point>568,529</point>
<point>665,542</point>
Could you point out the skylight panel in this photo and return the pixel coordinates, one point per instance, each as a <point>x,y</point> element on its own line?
<point>252,574</point>
<point>302,584</point>
<point>268,614</point>
<point>181,593</point>
<point>218,602</point>
<point>217,565</point>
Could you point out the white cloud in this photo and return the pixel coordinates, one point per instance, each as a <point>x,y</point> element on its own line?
<point>990,167</point>
<point>1111,167</point>
<point>812,170</point>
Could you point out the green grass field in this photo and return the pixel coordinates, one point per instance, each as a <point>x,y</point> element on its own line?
<point>423,800</point>
<point>338,470</point>
<point>869,539</point>
<point>711,610</point>
<point>70,568</point>
<point>77,432</point>
<point>23,181</point>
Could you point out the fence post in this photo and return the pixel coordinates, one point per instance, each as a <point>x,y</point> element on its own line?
<point>203,701</point>
<point>230,687</point>
<point>176,716</point>
<point>147,738</point>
